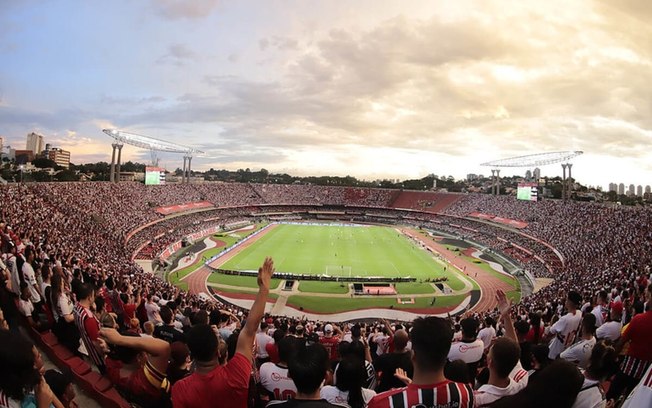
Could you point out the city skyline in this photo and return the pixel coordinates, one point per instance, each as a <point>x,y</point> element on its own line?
<point>371,89</point>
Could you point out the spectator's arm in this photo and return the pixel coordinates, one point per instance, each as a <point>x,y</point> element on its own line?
<point>624,338</point>
<point>367,350</point>
<point>158,350</point>
<point>248,333</point>
<point>94,334</point>
<point>389,327</point>
<point>504,306</point>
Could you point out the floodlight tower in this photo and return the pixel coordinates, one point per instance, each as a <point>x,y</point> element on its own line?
<point>145,142</point>
<point>537,160</point>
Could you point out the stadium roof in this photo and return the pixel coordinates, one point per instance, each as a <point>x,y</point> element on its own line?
<point>533,160</point>
<point>147,142</point>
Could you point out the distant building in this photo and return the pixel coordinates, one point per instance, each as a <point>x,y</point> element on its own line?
<point>471,177</point>
<point>24,156</point>
<point>2,144</point>
<point>648,189</point>
<point>631,190</point>
<point>60,157</point>
<point>528,175</point>
<point>639,191</point>
<point>35,143</point>
<point>613,187</point>
<point>536,173</point>
<point>621,189</point>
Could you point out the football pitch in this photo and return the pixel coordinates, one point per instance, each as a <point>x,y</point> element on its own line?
<point>344,250</point>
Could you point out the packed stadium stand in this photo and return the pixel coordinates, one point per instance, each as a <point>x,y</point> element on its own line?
<point>425,201</point>
<point>67,251</point>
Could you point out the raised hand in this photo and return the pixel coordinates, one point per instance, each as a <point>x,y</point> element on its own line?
<point>504,304</point>
<point>265,273</point>
<point>401,374</point>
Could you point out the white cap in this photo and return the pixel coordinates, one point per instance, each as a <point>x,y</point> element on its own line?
<point>328,328</point>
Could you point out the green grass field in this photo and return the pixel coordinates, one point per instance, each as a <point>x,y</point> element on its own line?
<point>337,250</point>
<point>316,304</point>
<point>344,251</point>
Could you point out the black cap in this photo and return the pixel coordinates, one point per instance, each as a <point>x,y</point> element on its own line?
<point>58,381</point>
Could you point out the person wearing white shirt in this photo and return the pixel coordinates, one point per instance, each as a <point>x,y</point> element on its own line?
<point>506,376</point>
<point>563,329</point>
<point>611,329</point>
<point>152,309</point>
<point>488,333</point>
<point>348,384</point>
<point>641,396</point>
<point>30,277</point>
<point>603,362</point>
<point>262,339</point>
<point>580,352</point>
<point>470,349</point>
<point>600,311</point>
<point>274,376</point>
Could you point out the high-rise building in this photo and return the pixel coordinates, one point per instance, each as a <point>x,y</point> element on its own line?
<point>528,175</point>
<point>471,177</point>
<point>631,190</point>
<point>639,191</point>
<point>536,174</point>
<point>648,189</point>
<point>60,157</point>
<point>613,187</point>
<point>621,189</point>
<point>34,143</point>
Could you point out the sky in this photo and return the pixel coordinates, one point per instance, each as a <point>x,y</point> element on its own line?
<point>372,89</point>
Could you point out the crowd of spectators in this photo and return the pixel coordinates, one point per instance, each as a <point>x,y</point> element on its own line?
<point>65,267</point>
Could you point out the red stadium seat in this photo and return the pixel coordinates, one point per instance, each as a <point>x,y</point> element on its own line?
<point>48,338</point>
<point>111,398</point>
<point>88,380</point>
<point>60,354</point>
<point>102,385</point>
<point>78,367</point>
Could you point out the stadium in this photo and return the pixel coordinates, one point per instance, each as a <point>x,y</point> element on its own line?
<point>318,204</point>
<point>454,251</point>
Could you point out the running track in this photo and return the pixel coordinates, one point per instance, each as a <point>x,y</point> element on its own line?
<point>489,284</point>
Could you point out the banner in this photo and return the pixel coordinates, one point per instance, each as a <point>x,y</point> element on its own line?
<point>500,220</point>
<point>172,209</point>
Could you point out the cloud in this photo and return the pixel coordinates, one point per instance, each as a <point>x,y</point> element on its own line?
<point>177,54</point>
<point>462,85</point>
<point>184,9</point>
<point>280,43</point>
<point>445,86</point>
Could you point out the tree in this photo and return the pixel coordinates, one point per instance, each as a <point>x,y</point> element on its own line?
<point>44,163</point>
<point>66,175</point>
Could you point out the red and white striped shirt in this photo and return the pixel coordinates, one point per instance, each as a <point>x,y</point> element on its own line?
<point>446,394</point>
<point>6,402</point>
<point>89,329</point>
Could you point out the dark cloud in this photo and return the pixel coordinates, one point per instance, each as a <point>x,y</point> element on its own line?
<point>184,9</point>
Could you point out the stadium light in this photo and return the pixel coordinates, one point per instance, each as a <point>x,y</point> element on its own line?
<point>151,143</point>
<point>534,160</point>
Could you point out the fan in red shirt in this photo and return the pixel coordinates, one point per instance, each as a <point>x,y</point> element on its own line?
<point>331,341</point>
<point>144,360</point>
<point>431,341</point>
<point>212,385</point>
